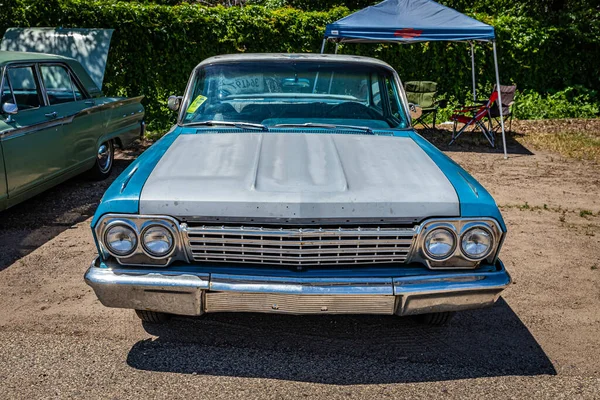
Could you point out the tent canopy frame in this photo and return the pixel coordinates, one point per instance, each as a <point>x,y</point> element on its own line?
<point>466,30</point>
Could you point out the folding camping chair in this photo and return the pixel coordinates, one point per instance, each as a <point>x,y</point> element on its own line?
<point>507,94</point>
<point>422,94</point>
<point>474,116</point>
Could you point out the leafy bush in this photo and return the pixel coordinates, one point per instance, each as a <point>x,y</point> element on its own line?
<point>573,102</point>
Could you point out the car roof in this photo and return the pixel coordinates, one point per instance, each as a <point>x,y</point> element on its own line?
<point>15,56</point>
<point>342,58</point>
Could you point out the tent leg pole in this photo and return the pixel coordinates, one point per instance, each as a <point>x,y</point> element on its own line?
<point>473,71</point>
<point>323,46</point>
<point>499,100</point>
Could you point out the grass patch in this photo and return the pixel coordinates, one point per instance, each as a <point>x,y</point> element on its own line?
<point>585,213</point>
<point>579,145</point>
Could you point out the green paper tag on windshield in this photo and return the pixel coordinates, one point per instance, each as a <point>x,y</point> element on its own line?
<point>195,104</point>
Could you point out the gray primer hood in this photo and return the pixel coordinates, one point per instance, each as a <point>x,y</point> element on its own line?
<point>297,177</point>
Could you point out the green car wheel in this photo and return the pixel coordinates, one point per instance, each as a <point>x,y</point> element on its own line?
<point>104,161</point>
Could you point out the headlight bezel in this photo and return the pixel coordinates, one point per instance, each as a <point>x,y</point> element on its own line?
<point>459,226</point>
<point>141,257</point>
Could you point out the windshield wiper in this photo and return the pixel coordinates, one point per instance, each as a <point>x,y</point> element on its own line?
<point>326,126</point>
<point>241,125</point>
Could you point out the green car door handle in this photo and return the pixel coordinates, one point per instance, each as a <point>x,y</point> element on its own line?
<point>53,114</point>
<point>90,102</point>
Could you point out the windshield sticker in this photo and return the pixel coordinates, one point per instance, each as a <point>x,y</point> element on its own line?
<point>195,104</point>
<point>244,84</point>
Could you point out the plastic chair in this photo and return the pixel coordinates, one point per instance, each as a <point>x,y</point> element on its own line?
<point>474,116</point>
<point>422,94</point>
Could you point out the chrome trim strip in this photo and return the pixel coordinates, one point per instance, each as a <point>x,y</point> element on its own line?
<point>308,222</point>
<point>291,285</point>
<point>29,129</point>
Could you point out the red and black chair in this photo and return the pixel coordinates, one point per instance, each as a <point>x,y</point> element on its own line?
<point>475,116</point>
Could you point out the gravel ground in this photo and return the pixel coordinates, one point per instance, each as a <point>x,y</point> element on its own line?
<point>540,340</point>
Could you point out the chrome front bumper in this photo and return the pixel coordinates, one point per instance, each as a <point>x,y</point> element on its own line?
<point>194,293</point>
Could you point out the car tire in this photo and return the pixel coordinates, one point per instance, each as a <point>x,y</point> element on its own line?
<point>153,317</point>
<point>435,319</point>
<point>105,158</point>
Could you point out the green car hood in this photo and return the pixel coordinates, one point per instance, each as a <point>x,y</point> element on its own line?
<point>88,46</point>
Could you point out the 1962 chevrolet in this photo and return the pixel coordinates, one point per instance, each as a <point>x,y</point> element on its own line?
<point>296,184</point>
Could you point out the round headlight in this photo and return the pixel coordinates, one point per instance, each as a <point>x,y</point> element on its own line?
<point>157,240</point>
<point>121,240</point>
<point>439,243</point>
<point>476,243</point>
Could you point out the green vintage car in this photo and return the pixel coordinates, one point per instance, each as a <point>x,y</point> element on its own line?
<point>56,123</point>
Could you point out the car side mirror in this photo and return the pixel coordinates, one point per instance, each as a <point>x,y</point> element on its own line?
<point>415,110</point>
<point>174,102</point>
<point>10,108</point>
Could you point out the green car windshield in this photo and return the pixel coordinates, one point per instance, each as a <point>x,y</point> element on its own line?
<point>284,93</point>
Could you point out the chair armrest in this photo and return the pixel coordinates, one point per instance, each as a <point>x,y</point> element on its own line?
<point>465,109</point>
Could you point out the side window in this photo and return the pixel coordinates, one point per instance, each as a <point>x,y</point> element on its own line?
<point>59,86</point>
<point>375,94</point>
<point>393,96</point>
<point>21,87</point>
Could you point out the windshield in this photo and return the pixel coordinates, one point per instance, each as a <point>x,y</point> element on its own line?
<point>295,92</point>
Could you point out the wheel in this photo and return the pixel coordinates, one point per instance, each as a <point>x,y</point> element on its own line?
<point>104,161</point>
<point>435,319</point>
<point>152,316</point>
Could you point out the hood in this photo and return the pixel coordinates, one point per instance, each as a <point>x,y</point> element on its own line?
<point>88,46</point>
<point>268,176</point>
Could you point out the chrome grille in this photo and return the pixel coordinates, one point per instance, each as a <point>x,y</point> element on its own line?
<point>298,246</point>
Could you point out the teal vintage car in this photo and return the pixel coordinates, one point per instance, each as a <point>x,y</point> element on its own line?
<point>295,184</point>
<point>56,123</point>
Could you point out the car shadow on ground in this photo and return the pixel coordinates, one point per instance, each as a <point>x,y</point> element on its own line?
<point>28,225</point>
<point>473,141</point>
<point>344,349</point>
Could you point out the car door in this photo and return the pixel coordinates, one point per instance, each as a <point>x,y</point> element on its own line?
<point>80,129</point>
<point>32,141</point>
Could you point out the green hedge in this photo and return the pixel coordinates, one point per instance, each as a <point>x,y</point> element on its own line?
<point>155,46</point>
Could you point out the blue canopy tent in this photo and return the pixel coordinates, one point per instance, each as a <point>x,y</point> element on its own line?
<point>414,21</point>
